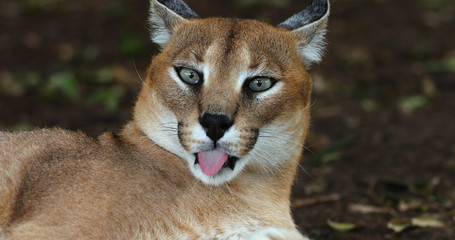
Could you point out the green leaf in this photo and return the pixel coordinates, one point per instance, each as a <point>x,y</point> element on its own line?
<point>34,7</point>
<point>440,65</point>
<point>450,64</point>
<point>107,97</point>
<point>132,46</point>
<point>91,52</point>
<point>341,227</point>
<point>29,79</point>
<point>61,83</point>
<point>409,104</point>
<point>332,151</point>
<point>104,75</point>
<point>369,105</point>
<point>434,4</point>
<point>21,126</point>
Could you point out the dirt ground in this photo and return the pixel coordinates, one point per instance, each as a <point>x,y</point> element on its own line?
<point>380,159</point>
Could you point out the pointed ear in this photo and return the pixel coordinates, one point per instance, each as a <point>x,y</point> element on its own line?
<point>165,15</point>
<point>309,26</point>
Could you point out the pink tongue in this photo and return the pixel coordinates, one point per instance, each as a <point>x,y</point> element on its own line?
<point>212,161</point>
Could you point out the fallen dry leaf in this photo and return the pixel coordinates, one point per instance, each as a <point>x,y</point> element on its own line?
<point>398,224</point>
<point>427,221</point>
<point>404,206</point>
<point>341,227</point>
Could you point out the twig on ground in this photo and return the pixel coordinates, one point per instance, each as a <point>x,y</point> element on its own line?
<point>367,209</point>
<point>316,200</point>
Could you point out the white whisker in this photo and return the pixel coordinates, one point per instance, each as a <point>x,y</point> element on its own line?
<point>140,77</point>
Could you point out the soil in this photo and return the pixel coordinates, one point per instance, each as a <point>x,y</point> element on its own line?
<point>382,141</point>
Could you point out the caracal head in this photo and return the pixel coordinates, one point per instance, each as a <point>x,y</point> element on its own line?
<point>230,96</point>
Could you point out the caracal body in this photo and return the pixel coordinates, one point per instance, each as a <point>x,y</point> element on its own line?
<point>211,153</point>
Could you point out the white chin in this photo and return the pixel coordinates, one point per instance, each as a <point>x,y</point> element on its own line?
<point>223,176</point>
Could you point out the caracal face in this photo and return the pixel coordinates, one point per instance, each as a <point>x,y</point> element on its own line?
<point>228,95</point>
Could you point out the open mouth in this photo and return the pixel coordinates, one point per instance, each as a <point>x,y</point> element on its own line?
<point>211,162</point>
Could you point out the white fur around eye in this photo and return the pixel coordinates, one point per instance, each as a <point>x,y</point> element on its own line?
<point>270,92</point>
<point>206,71</point>
<point>176,78</point>
<point>243,76</point>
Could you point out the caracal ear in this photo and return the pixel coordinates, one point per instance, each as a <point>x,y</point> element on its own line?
<point>165,16</point>
<point>309,26</point>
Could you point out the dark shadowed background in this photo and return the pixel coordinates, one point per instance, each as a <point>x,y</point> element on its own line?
<point>380,158</point>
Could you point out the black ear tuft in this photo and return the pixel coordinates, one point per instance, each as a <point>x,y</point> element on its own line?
<point>309,27</point>
<point>179,7</point>
<point>314,12</point>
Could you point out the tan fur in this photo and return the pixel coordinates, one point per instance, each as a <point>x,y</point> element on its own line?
<point>57,184</point>
<point>65,185</point>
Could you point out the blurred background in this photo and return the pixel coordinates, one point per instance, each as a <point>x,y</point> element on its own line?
<point>380,159</point>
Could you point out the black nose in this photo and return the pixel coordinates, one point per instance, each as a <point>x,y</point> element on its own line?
<point>215,125</point>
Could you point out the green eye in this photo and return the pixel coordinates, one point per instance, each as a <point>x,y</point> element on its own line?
<point>260,84</point>
<point>188,76</point>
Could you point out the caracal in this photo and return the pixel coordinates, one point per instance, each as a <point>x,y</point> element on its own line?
<point>210,153</point>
